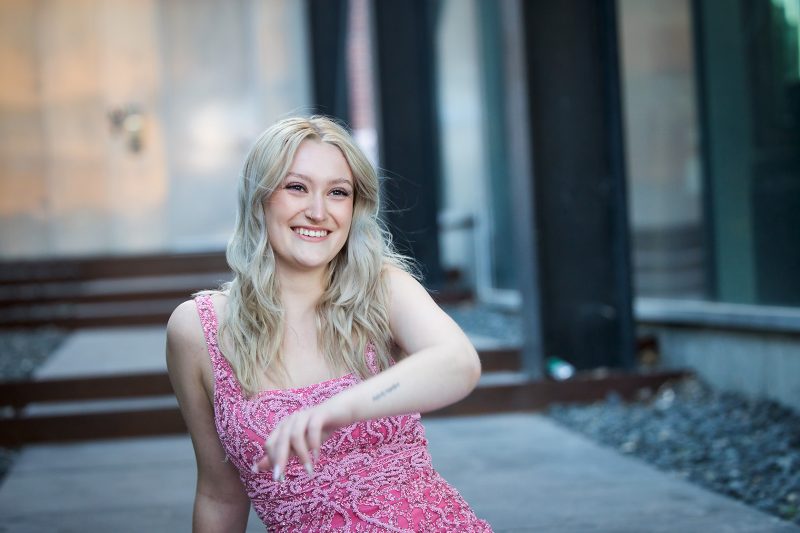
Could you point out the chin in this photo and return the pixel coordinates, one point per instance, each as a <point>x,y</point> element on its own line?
<point>313,264</point>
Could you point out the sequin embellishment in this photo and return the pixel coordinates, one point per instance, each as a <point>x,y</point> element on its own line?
<point>371,476</point>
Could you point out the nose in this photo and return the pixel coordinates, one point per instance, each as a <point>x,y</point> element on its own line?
<point>316,209</point>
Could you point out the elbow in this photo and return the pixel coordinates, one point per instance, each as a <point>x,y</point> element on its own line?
<point>476,369</point>
<point>471,367</point>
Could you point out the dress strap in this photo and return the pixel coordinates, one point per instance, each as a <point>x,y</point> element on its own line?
<point>208,319</point>
<point>224,377</point>
<point>371,356</point>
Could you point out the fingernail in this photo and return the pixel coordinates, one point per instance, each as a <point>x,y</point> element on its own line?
<point>254,468</point>
<point>316,456</point>
<point>283,478</point>
<point>276,473</point>
<point>309,469</point>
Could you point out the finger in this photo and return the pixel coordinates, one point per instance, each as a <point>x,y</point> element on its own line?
<point>262,463</point>
<point>278,449</point>
<point>314,435</point>
<point>299,444</point>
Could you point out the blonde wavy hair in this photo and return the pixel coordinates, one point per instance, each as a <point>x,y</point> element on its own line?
<point>353,309</point>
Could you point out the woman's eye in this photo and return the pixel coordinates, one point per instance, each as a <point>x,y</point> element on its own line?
<point>295,187</point>
<point>340,192</point>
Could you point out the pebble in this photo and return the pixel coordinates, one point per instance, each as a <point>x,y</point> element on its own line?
<point>487,321</point>
<point>743,448</point>
<point>21,352</point>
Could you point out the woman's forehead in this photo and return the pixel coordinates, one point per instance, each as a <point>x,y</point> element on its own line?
<point>320,160</point>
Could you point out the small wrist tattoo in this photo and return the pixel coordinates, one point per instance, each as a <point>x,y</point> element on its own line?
<point>384,392</point>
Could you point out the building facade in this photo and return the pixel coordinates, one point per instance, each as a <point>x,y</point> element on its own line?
<point>611,170</point>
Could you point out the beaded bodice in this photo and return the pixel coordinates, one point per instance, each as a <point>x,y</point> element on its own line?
<point>370,476</point>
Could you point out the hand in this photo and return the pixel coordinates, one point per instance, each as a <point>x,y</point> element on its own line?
<point>302,434</point>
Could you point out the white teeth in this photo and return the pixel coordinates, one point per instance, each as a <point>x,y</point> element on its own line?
<point>311,233</point>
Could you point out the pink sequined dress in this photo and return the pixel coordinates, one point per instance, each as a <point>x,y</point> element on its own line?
<point>370,476</point>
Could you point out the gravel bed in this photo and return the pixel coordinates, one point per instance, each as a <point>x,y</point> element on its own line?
<point>487,321</point>
<point>745,449</point>
<point>21,352</point>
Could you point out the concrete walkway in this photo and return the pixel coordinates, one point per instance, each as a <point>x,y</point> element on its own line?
<point>521,472</point>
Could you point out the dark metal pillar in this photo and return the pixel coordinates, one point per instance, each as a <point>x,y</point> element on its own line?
<point>327,20</point>
<point>579,181</point>
<point>404,32</point>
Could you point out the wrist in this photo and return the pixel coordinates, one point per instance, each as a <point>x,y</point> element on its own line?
<point>342,409</point>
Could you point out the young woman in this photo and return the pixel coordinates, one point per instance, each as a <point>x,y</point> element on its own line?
<point>287,377</point>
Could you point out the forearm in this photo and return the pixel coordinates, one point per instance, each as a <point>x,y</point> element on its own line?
<point>427,380</point>
<point>430,378</point>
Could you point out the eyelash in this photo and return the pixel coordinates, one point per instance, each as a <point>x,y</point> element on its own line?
<point>300,187</point>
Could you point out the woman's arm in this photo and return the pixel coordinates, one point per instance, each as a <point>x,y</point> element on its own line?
<point>221,504</point>
<point>442,367</point>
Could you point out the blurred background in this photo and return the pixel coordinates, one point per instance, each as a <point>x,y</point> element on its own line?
<point>623,177</point>
<point>604,194</point>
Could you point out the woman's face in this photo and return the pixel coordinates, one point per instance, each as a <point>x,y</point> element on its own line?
<point>308,215</point>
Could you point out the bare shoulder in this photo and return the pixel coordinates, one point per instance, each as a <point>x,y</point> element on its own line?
<point>186,343</point>
<point>415,319</point>
<point>184,325</point>
<point>402,284</point>
<point>184,328</point>
<point>408,299</point>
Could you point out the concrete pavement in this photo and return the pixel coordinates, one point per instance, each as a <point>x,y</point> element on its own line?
<point>521,472</point>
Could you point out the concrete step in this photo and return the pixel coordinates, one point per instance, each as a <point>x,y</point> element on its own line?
<point>130,413</point>
<point>113,289</point>
<point>112,383</point>
<point>134,301</point>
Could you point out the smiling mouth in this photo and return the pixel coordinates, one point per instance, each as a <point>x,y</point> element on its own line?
<point>311,233</point>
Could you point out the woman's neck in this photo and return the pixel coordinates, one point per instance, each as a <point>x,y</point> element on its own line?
<point>301,291</point>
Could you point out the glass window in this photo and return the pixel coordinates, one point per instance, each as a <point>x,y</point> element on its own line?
<point>751,102</point>
<point>475,220</point>
<point>774,76</point>
<point>721,222</point>
<point>665,185</point>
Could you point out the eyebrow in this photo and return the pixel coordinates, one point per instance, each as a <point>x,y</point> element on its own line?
<point>331,182</point>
